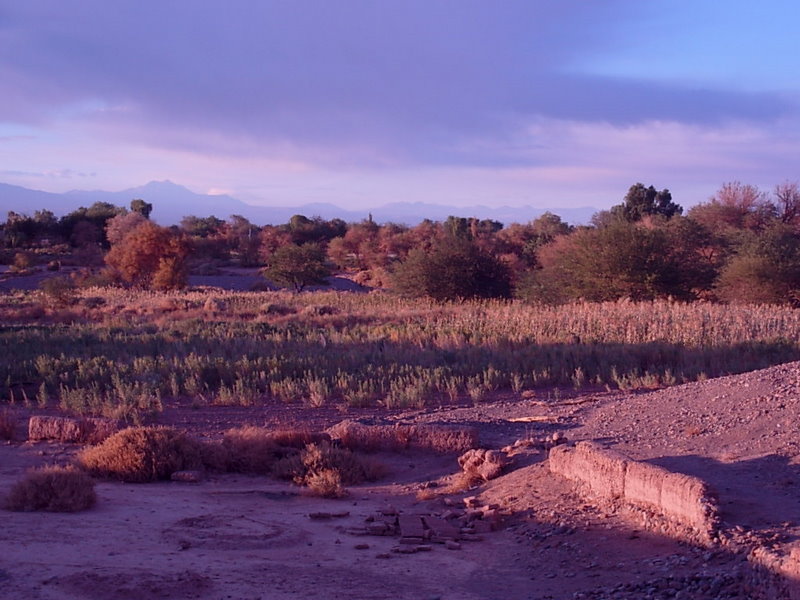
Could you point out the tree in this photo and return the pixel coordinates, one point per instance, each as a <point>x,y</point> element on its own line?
<point>121,225</point>
<point>454,268</point>
<point>298,266</point>
<point>735,206</point>
<point>97,215</point>
<point>620,260</point>
<point>788,196</point>
<point>643,201</point>
<point>202,227</point>
<point>140,206</point>
<point>765,268</point>
<point>150,256</point>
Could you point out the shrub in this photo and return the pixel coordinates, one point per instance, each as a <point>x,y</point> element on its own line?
<point>142,454</point>
<point>276,309</point>
<point>249,450</point>
<point>317,462</point>
<point>256,449</point>
<point>22,262</point>
<point>326,483</point>
<point>54,489</point>
<point>8,425</point>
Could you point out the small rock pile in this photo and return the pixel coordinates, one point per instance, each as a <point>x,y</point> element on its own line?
<point>483,464</point>
<point>417,532</point>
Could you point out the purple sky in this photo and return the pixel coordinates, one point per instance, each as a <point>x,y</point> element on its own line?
<point>361,103</point>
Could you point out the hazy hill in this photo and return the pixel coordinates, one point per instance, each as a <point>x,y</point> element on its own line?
<point>171,202</point>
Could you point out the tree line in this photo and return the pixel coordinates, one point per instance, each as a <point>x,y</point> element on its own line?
<point>742,245</point>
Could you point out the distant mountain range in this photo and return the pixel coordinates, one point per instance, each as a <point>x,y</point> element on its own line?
<point>171,202</point>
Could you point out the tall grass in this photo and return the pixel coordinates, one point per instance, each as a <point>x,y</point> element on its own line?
<point>135,349</point>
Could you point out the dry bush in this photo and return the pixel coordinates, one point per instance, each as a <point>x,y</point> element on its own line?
<point>142,454</point>
<point>438,438</point>
<point>69,430</point>
<point>252,449</point>
<point>8,425</point>
<point>96,429</point>
<point>326,484</point>
<point>249,450</point>
<point>276,309</point>
<point>215,305</point>
<point>462,482</point>
<point>298,438</point>
<point>54,489</point>
<point>320,310</point>
<point>315,460</point>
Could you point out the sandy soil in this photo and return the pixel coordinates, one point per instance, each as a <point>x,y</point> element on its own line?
<point>246,537</point>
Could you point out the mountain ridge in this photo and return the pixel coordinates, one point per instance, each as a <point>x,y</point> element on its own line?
<point>172,201</point>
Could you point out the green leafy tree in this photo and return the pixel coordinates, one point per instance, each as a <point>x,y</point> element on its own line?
<point>619,260</point>
<point>641,202</point>
<point>298,266</point>
<point>455,268</point>
<point>140,206</point>
<point>765,268</point>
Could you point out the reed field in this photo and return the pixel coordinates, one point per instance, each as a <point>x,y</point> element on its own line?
<point>121,353</point>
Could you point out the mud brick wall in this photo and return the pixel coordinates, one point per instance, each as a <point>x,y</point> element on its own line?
<point>612,476</point>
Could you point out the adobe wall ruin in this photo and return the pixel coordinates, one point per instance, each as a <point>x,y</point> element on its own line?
<point>611,476</point>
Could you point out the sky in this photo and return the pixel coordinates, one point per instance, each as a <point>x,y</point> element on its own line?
<point>365,102</point>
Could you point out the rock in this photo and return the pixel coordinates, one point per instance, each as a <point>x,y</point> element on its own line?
<point>187,476</point>
<point>329,515</point>
<point>486,464</point>
<point>411,526</point>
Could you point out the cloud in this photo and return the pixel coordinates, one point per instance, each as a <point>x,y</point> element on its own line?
<point>346,83</point>
<point>52,174</point>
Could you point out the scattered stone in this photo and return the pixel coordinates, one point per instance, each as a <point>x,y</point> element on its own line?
<point>451,545</point>
<point>319,516</point>
<point>411,526</point>
<point>441,529</point>
<point>187,476</point>
<point>471,502</point>
<point>361,546</point>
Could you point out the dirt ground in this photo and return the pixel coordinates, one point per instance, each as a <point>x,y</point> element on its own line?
<point>239,537</point>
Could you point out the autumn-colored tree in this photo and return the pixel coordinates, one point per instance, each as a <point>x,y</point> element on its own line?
<point>271,238</point>
<point>121,225</point>
<point>150,256</point>
<point>735,206</point>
